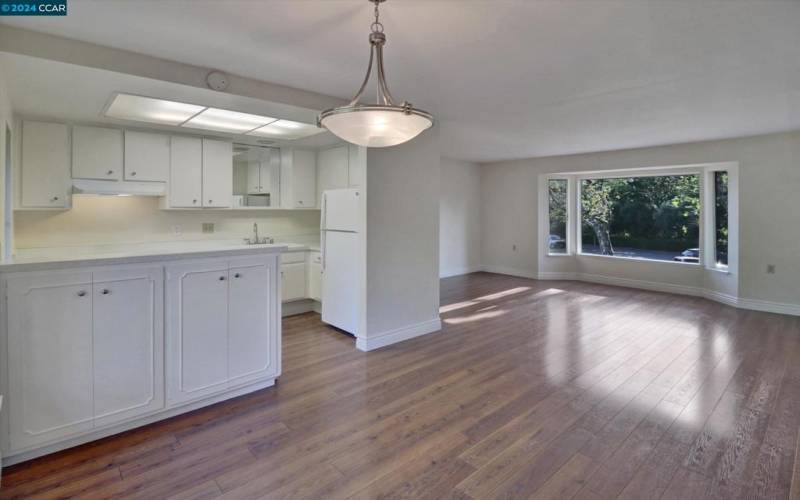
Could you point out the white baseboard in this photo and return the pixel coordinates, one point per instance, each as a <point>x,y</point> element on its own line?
<point>459,271</point>
<point>510,271</point>
<point>723,298</point>
<point>394,336</point>
<point>299,307</point>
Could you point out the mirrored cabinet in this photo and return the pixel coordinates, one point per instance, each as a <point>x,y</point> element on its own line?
<point>256,176</point>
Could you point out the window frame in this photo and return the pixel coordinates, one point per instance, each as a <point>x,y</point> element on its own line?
<point>709,216</point>
<point>569,246</point>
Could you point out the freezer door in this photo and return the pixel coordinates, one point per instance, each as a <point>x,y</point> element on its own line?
<point>340,280</point>
<point>340,210</point>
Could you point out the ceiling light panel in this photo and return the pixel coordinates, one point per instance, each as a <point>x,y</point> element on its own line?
<point>147,109</point>
<point>222,120</point>
<point>287,129</point>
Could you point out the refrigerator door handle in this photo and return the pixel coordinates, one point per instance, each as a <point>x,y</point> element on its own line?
<point>322,249</point>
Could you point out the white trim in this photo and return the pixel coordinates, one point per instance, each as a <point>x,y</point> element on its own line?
<point>655,286</point>
<point>639,259</point>
<point>460,271</point>
<point>510,271</point>
<point>301,306</point>
<point>394,336</point>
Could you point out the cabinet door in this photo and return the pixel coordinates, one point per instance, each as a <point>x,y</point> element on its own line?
<point>186,172</point>
<point>128,343</point>
<point>252,332</point>
<point>97,153</point>
<point>315,281</point>
<point>217,173</point>
<point>253,177</point>
<point>332,166</point>
<point>197,344</point>
<point>293,284</point>
<point>146,156</point>
<point>45,165</point>
<point>49,357</point>
<point>304,179</point>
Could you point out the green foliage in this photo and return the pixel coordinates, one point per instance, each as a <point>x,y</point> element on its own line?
<point>658,213</point>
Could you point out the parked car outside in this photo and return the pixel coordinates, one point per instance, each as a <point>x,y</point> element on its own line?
<point>688,255</point>
<point>557,242</point>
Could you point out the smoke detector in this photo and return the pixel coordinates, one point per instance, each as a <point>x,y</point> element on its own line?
<point>217,80</point>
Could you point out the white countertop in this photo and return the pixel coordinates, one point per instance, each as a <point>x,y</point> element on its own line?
<point>49,258</point>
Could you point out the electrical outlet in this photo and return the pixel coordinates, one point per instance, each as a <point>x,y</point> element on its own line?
<point>770,268</point>
<point>208,227</point>
<point>177,229</point>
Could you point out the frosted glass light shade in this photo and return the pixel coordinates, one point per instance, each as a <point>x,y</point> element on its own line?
<point>223,120</point>
<point>376,126</point>
<point>286,129</point>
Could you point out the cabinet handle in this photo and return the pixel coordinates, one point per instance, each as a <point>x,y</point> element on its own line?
<point>211,201</point>
<point>299,202</point>
<point>110,172</point>
<point>133,173</point>
<point>237,275</point>
<point>222,278</point>
<point>82,293</point>
<point>55,198</point>
<point>194,201</point>
<point>106,291</point>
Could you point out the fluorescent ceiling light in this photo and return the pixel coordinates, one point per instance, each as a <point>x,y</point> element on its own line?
<point>223,120</point>
<point>147,109</point>
<point>286,129</point>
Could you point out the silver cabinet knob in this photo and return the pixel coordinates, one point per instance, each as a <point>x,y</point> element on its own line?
<point>211,201</point>
<point>110,172</point>
<point>133,173</point>
<point>222,278</point>
<point>237,275</point>
<point>194,201</point>
<point>105,291</point>
<point>82,293</point>
<point>55,198</point>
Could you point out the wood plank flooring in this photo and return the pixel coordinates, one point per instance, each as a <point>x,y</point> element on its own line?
<point>534,389</point>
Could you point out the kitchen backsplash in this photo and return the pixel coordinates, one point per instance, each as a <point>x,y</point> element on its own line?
<point>102,220</point>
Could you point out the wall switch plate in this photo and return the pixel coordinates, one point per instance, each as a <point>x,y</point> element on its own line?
<point>770,268</point>
<point>208,227</point>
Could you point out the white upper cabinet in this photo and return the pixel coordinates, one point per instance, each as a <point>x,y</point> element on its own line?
<point>97,153</point>
<point>298,178</point>
<point>45,173</point>
<point>332,169</point>
<point>186,173</point>
<point>217,173</point>
<point>146,156</point>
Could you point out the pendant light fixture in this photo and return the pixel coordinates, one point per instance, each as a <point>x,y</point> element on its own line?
<point>384,123</point>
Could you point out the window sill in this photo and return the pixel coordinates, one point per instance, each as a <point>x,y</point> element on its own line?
<point>695,265</point>
<point>561,254</point>
<point>721,270</point>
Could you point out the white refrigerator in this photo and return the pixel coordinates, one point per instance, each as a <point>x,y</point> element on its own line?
<point>340,226</point>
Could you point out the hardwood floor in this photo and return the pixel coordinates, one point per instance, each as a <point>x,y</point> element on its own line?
<point>534,389</point>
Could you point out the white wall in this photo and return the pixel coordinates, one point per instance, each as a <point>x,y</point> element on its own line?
<point>5,120</point>
<point>98,220</point>
<point>402,274</point>
<point>459,218</point>
<point>768,210</point>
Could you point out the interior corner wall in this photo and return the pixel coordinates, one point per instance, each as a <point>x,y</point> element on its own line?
<point>769,180</point>
<point>459,218</point>
<point>402,275</point>
<point>5,121</point>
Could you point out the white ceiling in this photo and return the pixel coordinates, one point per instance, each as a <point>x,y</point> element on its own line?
<point>505,78</point>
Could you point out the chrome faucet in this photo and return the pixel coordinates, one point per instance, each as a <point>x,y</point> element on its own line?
<point>255,240</point>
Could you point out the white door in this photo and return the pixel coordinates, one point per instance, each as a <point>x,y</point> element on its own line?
<point>217,173</point>
<point>332,169</point>
<point>293,281</point>
<point>252,344</point>
<point>97,153</point>
<point>340,280</point>
<point>146,156</point>
<point>304,179</point>
<point>340,210</point>
<point>197,344</point>
<point>45,165</point>
<point>128,343</point>
<point>49,357</point>
<point>186,172</point>
<point>253,177</point>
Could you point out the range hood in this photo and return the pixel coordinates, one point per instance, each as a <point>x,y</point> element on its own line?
<point>127,188</point>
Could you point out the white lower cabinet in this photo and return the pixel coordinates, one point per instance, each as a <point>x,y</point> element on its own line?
<point>223,326</point>
<point>293,281</point>
<point>315,276</point>
<point>84,351</point>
